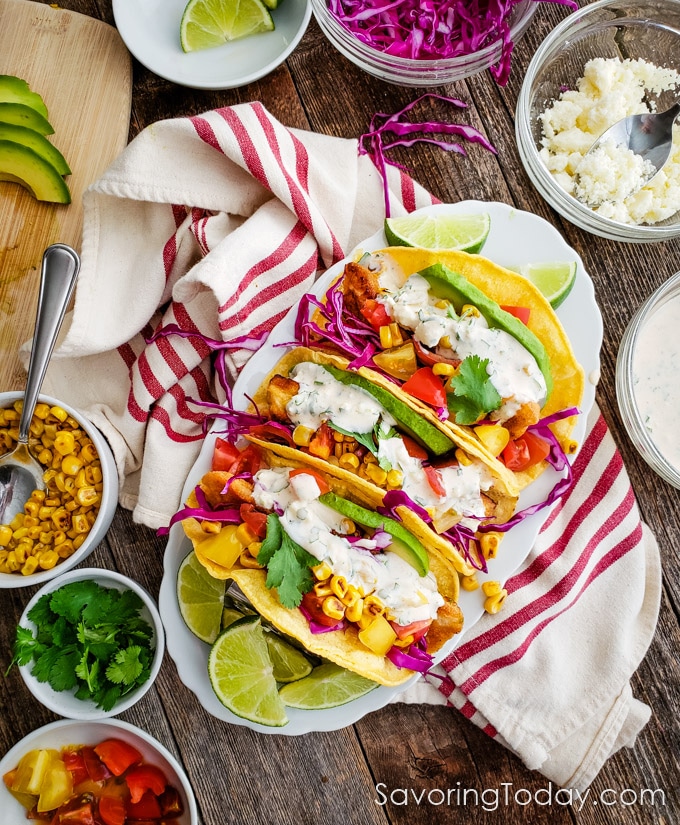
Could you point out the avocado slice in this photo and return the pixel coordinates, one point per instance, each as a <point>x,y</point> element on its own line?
<point>448,284</point>
<point>24,166</point>
<point>15,90</point>
<point>405,544</point>
<point>35,141</point>
<point>433,439</point>
<point>22,115</point>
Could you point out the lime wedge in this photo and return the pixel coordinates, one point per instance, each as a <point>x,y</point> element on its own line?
<point>200,598</point>
<point>554,279</point>
<point>241,673</point>
<point>288,662</point>
<point>466,233</point>
<point>208,23</point>
<point>327,686</point>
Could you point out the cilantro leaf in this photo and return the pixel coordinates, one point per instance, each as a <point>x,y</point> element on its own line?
<point>68,601</point>
<point>63,672</point>
<point>288,571</point>
<point>475,395</point>
<point>26,646</point>
<point>272,539</point>
<point>126,666</point>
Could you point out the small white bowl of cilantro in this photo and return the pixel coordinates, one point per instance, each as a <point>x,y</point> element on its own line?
<point>89,644</point>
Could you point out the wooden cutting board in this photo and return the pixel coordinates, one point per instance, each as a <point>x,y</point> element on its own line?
<point>83,71</point>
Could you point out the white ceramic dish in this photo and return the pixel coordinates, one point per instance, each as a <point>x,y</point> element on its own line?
<point>515,238</point>
<point>65,702</point>
<point>150,30</point>
<point>66,732</point>
<point>107,508</point>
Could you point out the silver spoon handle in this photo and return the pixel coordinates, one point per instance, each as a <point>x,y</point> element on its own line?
<point>60,266</point>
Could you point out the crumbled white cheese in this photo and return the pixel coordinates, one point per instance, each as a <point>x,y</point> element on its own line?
<point>610,90</point>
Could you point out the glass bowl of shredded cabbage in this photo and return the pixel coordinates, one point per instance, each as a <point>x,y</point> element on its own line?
<point>609,60</point>
<point>426,42</point>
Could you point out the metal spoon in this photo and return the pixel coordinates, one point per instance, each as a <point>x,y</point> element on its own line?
<point>20,473</point>
<point>648,135</point>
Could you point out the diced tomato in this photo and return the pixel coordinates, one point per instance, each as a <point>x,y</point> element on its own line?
<point>321,444</point>
<point>311,603</point>
<point>78,811</point>
<point>415,629</point>
<point>96,769</point>
<point>224,455</point>
<point>429,358</point>
<point>521,313</point>
<point>427,387</point>
<point>414,449</point>
<point>320,480</point>
<point>435,481</point>
<point>117,755</point>
<point>256,520</point>
<point>76,765</point>
<point>148,807</point>
<point>375,313</point>
<point>248,461</point>
<point>112,810</point>
<point>145,778</point>
<point>525,451</point>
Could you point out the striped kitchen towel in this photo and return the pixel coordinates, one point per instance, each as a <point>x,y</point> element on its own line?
<point>219,223</point>
<point>549,676</point>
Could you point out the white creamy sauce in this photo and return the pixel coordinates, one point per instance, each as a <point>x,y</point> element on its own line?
<point>656,378</point>
<point>512,369</point>
<point>321,398</point>
<point>463,483</point>
<point>319,530</point>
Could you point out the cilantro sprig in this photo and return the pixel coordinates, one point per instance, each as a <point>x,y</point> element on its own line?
<point>474,395</point>
<point>89,639</point>
<point>288,565</point>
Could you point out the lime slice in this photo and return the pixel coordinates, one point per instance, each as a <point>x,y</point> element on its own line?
<point>554,279</point>
<point>241,674</point>
<point>271,4</point>
<point>200,598</point>
<point>208,23</point>
<point>327,686</point>
<point>288,662</point>
<point>230,615</point>
<point>466,233</point>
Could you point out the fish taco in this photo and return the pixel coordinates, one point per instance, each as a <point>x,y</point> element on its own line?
<point>317,561</point>
<point>354,426</point>
<point>461,338</point>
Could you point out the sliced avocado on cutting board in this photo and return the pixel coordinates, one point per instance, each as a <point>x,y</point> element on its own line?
<point>22,115</point>
<point>24,166</point>
<point>38,143</point>
<point>15,90</point>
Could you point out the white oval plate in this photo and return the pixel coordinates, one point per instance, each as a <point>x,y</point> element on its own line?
<point>516,238</point>
<point>150,30</point>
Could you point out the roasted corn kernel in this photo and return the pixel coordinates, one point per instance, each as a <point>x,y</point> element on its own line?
<point>333,607</point>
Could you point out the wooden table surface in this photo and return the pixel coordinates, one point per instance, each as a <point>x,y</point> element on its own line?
<point>240,776</point>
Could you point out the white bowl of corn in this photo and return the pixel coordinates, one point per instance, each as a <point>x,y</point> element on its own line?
<point>61,525</point>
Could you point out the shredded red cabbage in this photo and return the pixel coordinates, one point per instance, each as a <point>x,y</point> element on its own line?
<point>203,512</point>
<point>432,29</point>
<point>316,627</point>
<point>219,348</point>
<point>412,659</point>
<point>374,143</point>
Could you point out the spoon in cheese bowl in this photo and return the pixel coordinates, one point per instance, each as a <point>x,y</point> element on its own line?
<point>626,157</point>
<point>20,473</point>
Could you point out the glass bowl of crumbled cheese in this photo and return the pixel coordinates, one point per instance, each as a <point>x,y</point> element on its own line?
<point>647,386</point>
<point>609,60</point>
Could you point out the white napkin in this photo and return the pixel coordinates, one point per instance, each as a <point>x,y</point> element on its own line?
<point>218,224</point>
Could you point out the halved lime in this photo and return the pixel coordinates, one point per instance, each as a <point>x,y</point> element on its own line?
<point>288,662</point>
<point>554,279</point>
<point>241,673</point>
<point>327,686</point>
<point>466,233</point>
<point>200,598</point>
<point>208,23</point>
